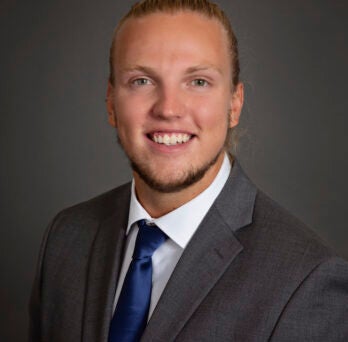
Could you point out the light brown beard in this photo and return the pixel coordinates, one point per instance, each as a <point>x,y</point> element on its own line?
<point>192,176</point>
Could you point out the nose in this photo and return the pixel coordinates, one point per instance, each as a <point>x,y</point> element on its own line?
<point>169,103</point>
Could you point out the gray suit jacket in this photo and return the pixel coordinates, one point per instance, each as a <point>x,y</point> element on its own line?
<point>251,272</point>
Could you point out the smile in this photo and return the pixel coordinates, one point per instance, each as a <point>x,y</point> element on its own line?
<point>170,139</point>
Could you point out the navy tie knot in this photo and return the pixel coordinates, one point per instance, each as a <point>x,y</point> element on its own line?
<point>149,238</point>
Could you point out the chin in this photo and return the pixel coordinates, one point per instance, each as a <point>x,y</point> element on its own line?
<point>172,183</point>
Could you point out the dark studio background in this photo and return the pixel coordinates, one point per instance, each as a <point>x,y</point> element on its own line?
<point>57,148</point>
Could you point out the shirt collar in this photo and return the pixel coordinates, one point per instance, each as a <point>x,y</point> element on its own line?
<point>181,223</point>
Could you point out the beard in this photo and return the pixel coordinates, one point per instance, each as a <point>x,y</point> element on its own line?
<point>186,179</point>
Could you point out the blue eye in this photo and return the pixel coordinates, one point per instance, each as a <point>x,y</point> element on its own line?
<point>199,82</point>
<point>141,81</point>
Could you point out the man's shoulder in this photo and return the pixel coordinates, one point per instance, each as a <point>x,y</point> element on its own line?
<point>283,239</point>
<point>100,206</point>
<point>86,216</point>
<point>301,271</point>
<point>265,225</point>
<point>281,222</point>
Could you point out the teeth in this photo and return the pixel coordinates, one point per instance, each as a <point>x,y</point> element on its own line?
<point>171,139</point>
<point>166,139</point>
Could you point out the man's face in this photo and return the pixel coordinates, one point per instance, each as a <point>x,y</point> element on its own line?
<point>172,100</point>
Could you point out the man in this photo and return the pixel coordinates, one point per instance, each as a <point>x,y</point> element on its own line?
<point>229,264</point>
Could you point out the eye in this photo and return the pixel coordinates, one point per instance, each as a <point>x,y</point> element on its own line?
<point>141,81</point>
<point>200,82</point>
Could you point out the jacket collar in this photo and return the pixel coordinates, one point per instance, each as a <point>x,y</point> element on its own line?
<point>209,253</point>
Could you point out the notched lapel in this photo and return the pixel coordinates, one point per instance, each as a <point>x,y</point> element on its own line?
<point>203,262</point>
<point>209,253</point>
<point>105,261</point>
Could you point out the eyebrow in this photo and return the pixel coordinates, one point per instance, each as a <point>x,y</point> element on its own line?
<point>189,70</point>
<point>205,67</point>
<point>138,68</point>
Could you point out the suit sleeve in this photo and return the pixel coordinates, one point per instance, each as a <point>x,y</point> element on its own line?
<point>318,309</point>
<point>34,333</point>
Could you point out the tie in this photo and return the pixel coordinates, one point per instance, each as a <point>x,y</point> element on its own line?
<point>130,317</point>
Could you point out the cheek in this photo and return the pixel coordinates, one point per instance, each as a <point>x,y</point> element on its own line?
<point>129,112</point>
<point>213,115</point>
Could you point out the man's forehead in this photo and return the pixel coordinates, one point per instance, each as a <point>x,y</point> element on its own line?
<point>180,32</point>
<point>186,41</point>
<point>182,20</point>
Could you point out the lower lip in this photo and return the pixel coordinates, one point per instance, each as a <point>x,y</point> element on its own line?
<point>169,148</point>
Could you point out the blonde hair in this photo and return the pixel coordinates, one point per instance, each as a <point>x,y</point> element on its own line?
<point>204,7</point>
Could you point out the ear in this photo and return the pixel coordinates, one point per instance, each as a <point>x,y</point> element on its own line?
<point>110,105</point>
<point>237,100</point>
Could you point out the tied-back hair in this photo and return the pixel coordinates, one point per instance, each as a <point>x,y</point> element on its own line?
<point>204,7</point>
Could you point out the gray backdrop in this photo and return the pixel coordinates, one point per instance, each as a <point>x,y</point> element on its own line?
<point>57,148</point>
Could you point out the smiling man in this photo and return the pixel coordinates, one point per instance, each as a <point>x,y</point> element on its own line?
<point>190,250</point>
<point>171,97</point>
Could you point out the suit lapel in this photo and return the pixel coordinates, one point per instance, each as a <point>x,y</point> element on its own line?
<point>104,266</point>
<point>203,262</point>
<point>209,253</point>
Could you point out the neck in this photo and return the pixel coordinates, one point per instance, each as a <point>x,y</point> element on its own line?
<point>158,203</point>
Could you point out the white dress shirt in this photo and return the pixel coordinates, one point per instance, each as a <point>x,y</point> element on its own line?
<point>179,225</point>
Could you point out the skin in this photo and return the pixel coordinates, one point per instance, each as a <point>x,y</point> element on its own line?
<point>173,75</point>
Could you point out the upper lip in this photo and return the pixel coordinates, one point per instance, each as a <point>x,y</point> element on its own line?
<point>169,131</point>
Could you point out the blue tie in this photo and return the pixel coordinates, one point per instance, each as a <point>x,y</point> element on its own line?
<point>130,317</point>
